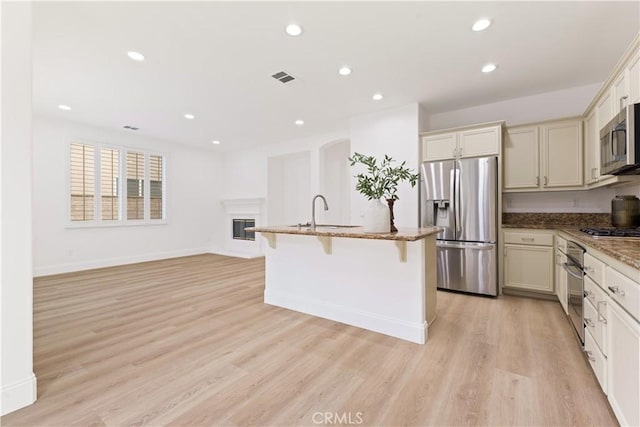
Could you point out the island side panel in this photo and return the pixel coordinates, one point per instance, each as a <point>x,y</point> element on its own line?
<point>430,279</point>
<point>360,282</point>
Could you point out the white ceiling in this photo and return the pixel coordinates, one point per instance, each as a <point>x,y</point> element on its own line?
<point>215,59</point>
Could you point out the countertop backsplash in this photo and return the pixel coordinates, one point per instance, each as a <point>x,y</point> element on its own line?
<point>537,219</point>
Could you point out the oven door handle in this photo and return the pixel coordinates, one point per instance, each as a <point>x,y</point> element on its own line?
<point>568,266</point>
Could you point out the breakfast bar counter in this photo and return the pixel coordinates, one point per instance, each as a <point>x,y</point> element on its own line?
<point>383,282</point>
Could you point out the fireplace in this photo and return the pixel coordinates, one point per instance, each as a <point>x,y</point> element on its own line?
<point>240,214</point>
<point>239,232</point>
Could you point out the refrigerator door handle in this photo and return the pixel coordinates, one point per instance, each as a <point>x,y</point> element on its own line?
<point>466,245</point>
<point>452,180</point>
<point>458,199</point>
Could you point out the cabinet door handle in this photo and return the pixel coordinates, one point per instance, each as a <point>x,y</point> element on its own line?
<point>537,181</point>
<point>601,318</point>
<point>616,290</point>
<point>545,181</point>
<point>590,355</point>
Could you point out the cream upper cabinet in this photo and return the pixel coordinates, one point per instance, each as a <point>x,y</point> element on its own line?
<point>439,147</point>
<point>521,158</point>
<point>480,142</point>
<point>634,79</point>
<point>543,156</point>
<point>562,158</point>
<point>605,109</point>
<point>473,141</point>
<point>591,149</point>
<point>620,92</point>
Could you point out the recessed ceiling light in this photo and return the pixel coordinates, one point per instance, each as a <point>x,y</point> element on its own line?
<point>189,116</point>
<point>136,56</point>
<point>64,107</point>
<point>481,25</point>
<point>299,122</point>
<point>294,29</point>
<point>215,142</point>
<point>377,96</point>
<point>489,68</point>
<point>344,71</point>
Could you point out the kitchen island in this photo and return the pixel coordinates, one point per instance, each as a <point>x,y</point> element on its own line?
<point>381,282</point>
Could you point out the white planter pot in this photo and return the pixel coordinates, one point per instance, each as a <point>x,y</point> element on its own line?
<point>376,217</point>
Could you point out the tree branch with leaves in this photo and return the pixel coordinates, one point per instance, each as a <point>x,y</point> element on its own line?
<point>381,180</point>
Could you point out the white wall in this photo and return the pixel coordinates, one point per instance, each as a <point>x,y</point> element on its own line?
<point>597,200</point>
<point>335,181</point>
<point>394,132</point>
<point>545,106</point>
<point>289,188</point>
<point>194,212</point>
<point>245,171</point>
<point>17,381</point>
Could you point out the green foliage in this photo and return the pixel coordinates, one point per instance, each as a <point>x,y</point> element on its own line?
<point>381,180</point>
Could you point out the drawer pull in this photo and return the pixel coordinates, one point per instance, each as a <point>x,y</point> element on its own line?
<point>589,269</point>
<point>590,355</point>
<point>601,318</point>
<point>527,239</point>
<point>616,290</point>
<point>589,322</point>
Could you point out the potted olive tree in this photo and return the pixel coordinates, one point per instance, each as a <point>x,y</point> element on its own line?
<point>380,180</point>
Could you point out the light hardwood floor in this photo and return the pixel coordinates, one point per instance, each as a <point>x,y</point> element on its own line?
<point>189,342</point>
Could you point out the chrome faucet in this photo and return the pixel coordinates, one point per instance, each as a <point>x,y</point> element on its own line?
<point>313,209</point>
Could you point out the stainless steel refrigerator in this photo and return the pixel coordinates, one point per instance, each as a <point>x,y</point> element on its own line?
<point>461,196</point>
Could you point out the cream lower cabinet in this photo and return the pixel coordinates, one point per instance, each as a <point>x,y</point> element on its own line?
<point>561,280</point>
<point>543,156</point>
<point>612,333</point>
<point>623,364</point>
<point>528,261</point>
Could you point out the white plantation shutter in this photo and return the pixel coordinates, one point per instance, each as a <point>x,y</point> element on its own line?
<point>135,185</point>
<point>82,175</point>
<point>156,192</point>
<point>109,183</point>
<point>102,176</point>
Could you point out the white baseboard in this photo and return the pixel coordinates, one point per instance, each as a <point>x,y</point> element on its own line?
<point>18,395</point>
<point>245,255</point>
<point>414,332</point>
<point>111,262</point>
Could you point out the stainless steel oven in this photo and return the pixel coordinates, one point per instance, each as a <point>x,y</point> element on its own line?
<point>575,286</point>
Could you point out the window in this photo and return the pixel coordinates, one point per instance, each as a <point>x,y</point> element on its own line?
<point>82,182</point>
<point>98,194</point>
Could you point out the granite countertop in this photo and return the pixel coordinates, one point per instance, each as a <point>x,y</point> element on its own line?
<point>355,232</point>
<point>621,249</point>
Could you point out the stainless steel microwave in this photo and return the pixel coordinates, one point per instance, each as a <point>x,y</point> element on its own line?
<point>620,143</point>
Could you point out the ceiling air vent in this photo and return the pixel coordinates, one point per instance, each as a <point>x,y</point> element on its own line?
<point>283,77</point>
<point>130,127</point>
